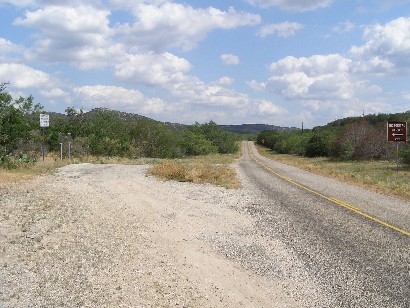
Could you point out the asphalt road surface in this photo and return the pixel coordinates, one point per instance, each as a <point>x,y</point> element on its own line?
<point>354,243</point>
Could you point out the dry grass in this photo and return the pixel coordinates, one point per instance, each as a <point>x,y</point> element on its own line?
<point>213,169</point>
<point>52,162</point>
<point>378,176</point>
<point>197,172</point>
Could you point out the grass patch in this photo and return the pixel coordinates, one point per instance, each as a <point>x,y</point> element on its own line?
<point>213,169</point>
<point>378,176</point>
<point>52,162</point>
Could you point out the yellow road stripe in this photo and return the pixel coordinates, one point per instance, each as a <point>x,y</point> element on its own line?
<point>333,200</point>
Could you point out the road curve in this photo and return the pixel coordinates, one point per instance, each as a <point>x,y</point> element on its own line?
<point>354,244</point>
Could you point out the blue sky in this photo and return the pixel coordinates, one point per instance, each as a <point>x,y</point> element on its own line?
<point>280,62</point>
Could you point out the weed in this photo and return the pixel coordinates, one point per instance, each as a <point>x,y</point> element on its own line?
<point>197,171</point>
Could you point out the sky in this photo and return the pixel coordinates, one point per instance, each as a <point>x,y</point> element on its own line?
<point>279,62</point>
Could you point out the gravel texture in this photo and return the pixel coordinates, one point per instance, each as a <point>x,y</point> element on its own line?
<point>110,236</point>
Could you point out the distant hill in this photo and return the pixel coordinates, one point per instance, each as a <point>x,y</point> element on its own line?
<point>254,128</point>
<point>129,117</point>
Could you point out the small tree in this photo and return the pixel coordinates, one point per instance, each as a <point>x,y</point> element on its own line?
<point>316,146</point>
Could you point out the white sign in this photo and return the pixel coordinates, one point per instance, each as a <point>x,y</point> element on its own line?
<point>44,120</point>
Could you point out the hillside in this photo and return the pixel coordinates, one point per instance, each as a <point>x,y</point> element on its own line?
<point>254,128</point>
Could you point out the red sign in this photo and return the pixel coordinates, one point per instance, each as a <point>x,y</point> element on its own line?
<point>397,131</point>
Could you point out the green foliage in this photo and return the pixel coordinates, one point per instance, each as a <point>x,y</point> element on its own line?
<point>103,132</point>
<point>17,124</point>
<point>405,154</point>
<point>224,142</point>
<point>346,139</point>
<point>16,160</point>
<point>316,146</point>
<point>196,144</point>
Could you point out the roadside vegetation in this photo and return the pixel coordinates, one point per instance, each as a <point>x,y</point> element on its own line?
<point>352,149</point>
<point>377,175</point>
<point>102,133</point>
<point>213,169</point>
<point>196,153</point>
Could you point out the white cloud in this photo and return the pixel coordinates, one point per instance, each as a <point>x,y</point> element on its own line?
<point>269,108</point>
<point>225,81</point>
<point>165,24</point>
<point>255,85</point>
<point>195,92</point>
<point>316,77</point>
<point>284,29</point>
<point>230,59</point>
<point>152,69</point>
<point>7,46</point>
<point>80,19</point>
<point>109,97</point>
<point>22,76</point>
<point>54,92</point>
<point>292,5</point>
<point>80,35</point>
<point>386,49</point>
<point>153,106</point>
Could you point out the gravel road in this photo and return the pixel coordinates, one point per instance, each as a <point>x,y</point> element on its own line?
<point>110,236</point>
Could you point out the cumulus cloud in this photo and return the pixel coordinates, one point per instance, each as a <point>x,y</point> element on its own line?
<point>386,48</point>
<point>230,59</point>
<point>7,46</point>
<point>319,76</point>
<point>214,94</point>
<point>152,69</point>
<point>269,108</point>
<point>79,34</point>
<point>54,92</point>
<point>118,98</point>
<point>291,5</point>
<point>224,81</point>
<point>22,76</point>
<point>284,29</point>
<point>109,97</point>
<point>165,24</point>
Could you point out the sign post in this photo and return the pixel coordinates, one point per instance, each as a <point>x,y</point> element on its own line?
<point>69,140</point>
<point>60,140</point>
<point>397,132</point>
<point>44,122</point>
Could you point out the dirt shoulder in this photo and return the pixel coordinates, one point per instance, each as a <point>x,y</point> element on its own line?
<point>110,236</point>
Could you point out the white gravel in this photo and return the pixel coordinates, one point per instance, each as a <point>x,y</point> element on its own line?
<point>110,236</point>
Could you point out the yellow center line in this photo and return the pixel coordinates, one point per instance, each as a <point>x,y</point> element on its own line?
<point>331,199</point>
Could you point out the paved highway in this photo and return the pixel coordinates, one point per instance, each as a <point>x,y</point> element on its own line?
<point>353,243</point>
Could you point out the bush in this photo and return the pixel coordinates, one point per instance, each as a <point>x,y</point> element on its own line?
<point>405,154</point>
<point>316,146</point>
<point>16,160</point>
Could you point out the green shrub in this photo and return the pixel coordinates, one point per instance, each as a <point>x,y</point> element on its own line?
<point>16,160</point>
<point>316,146</point>
<point>405,155</point>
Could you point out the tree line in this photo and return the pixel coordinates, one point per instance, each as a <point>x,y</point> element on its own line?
<point>101,132</point>
<point>354,138</point>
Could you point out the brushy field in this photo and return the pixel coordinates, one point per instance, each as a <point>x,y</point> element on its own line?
<point>378,176</point>
<point>213,169</point>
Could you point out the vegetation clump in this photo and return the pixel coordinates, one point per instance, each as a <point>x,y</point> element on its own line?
<point>350,139</point>
<point>100,132</point>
